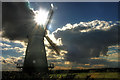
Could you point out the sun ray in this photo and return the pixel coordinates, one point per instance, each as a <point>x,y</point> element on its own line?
<point>41,17</point>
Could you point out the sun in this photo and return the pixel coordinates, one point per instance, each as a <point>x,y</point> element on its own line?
<point>41,17</point>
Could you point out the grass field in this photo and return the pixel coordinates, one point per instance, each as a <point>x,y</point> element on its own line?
<point>85,75</point>
<point>98,74</point>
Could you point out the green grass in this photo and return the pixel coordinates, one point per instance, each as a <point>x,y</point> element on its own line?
<point>63,76</point>
<point>84,75</point>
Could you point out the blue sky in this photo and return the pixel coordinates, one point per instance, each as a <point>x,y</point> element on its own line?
<point>69,12</point>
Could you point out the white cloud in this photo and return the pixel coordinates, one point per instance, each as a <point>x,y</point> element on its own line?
<point>5,45</point>
<point>88,26</point>
<point>10,64</point>
<point>6,39</point>
<point>13,45</point>
<point>88,40</point>
<point>58,41</point>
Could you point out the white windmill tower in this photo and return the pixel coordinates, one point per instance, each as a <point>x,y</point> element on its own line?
<point>35,58</point>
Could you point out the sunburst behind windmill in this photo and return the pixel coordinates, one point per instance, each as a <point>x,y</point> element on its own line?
<point>35,58</point>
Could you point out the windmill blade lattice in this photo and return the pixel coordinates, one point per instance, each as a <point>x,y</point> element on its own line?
<point>57,50</point>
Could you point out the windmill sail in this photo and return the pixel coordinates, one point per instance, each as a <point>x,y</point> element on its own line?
<point>48,39</point>
<point>53,45</point>
<point>49,17</point>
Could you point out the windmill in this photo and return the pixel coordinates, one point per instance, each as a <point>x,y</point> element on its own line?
<point>35,58</point>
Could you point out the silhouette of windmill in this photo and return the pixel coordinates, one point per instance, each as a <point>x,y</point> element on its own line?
<point>35,58</point>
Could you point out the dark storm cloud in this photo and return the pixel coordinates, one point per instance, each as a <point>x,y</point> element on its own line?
<point>17,20</point>
<point>84,41</point>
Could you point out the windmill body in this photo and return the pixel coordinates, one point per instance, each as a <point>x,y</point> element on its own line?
<point>35,59</point>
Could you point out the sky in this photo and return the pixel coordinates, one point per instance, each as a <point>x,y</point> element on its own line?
<point>74,12</point>
<point>86,33</point>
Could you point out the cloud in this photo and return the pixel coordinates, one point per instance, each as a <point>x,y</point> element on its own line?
<point>17,20</point>
<point>10,63</point>
<point>87,39</point>
<point>61,68</point>
<point>98,66</point>
<point>12,48</point>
